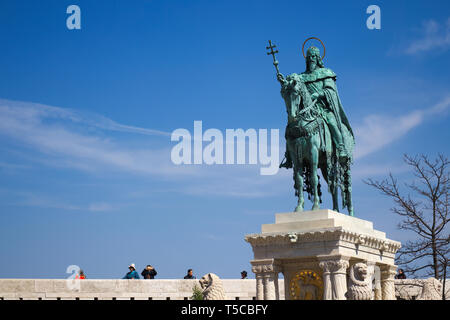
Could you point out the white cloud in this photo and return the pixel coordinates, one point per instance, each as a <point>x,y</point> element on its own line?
<point>377,131</point>
<point>39,200</point>
<point>434,36</point>
<point>361,170</point>
<point>101,207</point>
<point>63,136</point>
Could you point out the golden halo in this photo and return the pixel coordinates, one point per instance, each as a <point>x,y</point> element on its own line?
<point>303,46</point>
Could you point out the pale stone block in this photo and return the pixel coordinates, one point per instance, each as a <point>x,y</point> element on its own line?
<point>62,285</point>
<point>90,285</point>
<point>43,285</point>
<point>187,285</point>
<point>320,219</point>
<point>17,285</point>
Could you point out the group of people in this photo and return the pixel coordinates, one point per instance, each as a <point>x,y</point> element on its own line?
<point>149,273</point>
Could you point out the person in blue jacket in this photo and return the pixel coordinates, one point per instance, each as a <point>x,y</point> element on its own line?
<point>132,274</point>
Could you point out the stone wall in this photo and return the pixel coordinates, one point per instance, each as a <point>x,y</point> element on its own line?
<point>411,289</point>
<point>46,289</point>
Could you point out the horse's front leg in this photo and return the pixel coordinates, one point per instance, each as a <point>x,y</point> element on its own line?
<point>298,173</point>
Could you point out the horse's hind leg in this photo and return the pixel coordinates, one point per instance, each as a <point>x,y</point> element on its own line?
<point>332,185</point>
<point>314,162</point>
<point>348,195</point>
<point>334,193</point>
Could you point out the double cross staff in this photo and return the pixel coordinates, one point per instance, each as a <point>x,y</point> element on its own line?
<point>275,62</point>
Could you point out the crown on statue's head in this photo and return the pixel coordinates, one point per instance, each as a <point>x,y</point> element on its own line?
<point>313,49</point>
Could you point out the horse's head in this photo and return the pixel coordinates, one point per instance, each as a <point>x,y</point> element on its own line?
<point>299,97</point>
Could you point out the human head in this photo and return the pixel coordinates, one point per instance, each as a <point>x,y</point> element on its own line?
<point>400,271</point>
<point>244,274</point>
<point>81,272</point>
<point>149,266</point>
<point>132,267</point>
<point>189,272</point>
<point>313,59</point>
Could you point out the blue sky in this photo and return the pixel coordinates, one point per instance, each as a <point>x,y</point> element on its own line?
<point>86,117</point>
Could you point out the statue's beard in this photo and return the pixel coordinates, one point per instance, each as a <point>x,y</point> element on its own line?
<point>311,66</point>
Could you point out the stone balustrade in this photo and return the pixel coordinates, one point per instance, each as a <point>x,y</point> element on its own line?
<point>90,289</point>
<point>411,289</point>
<point>97,289</point>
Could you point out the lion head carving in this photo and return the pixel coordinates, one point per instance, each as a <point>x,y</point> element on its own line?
<point>360,271</point>
<point>432,290</point>
<point>359,288</point>
<point>212,287</point>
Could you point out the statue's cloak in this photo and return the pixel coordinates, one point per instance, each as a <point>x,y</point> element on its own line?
<point>328,79</point>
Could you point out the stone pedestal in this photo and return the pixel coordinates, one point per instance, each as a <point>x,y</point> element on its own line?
<point>314,250</point>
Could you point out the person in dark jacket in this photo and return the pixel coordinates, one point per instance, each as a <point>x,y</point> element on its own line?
<point>149,272</point>
<point>189,275</point>
<point>401,274</point>
<point>132,274</point>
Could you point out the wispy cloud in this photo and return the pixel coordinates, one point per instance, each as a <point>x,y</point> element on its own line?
<point>362,170</point>
<point>377,131</point>
<point>37,111</point>
<point>66,139</point>
<point>39,200</point>
<point>101,207</point>
<point>434,35</point>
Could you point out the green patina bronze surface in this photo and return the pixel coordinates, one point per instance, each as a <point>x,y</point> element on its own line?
<point>318,133</point>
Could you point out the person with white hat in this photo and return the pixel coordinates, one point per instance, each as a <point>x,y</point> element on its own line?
<point>132,274</point>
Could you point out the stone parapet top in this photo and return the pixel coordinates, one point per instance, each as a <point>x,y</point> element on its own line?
<point>319,220</point>
<point>325,234</point>
<point>108,289</point>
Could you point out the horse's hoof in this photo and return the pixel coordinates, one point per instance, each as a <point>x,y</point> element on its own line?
<point>298,209</point>
<point>350,213</point>
<point>315,207</point>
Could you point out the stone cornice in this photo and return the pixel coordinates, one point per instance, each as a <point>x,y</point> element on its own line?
<point>329,234</point>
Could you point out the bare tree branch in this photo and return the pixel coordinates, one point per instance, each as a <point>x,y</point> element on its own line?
<point>424,211</point>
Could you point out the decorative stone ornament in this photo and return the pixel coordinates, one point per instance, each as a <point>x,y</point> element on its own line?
<point>360,286</point>
<point>212,287</point>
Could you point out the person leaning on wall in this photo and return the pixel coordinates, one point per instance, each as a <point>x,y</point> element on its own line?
<point>401,274</point>
<point>132,274</point>
<point>190,274</point>
<point>149,272</point>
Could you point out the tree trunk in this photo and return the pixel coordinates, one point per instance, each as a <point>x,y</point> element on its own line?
<point>444,281</point>
<point>435,258</point>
